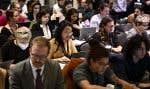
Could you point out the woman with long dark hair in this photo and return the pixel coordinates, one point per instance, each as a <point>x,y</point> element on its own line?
<point>7,31</point>
<point>62,45</point>
<point>106,35</point>
<point>42,27</point>
<point>34,9</point>
<point>72,17</point>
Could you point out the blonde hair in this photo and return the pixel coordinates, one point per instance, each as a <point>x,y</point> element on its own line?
<point>143,18</point>
<point>23,32</point>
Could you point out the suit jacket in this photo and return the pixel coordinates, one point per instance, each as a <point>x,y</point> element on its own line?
<point>21,76</point>
<point>37,30</point>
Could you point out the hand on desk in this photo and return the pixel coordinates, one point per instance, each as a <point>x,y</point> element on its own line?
<point>144,85</point>
<point>129,86</point>
<point>117,49</point>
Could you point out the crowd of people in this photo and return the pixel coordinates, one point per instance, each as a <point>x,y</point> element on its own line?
<point>38,36</point>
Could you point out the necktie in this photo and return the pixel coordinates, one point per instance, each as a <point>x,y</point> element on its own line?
<point>39,84</point>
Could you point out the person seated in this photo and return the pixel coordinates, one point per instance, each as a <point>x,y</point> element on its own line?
<point>95,73</point>
<point>16,6</point>
<point>62,45</point>
<point>34,9</point>
<point>17,49</point>
<point>141,24</point>
<point>42,27</point>
<point>72,17</point>
<point>106,35</point>
<point>58,11</point>
<point>7,31</point>
<point>37,72</point>
<point>68,5</point>
<point>137,11</point>
<point>103,10</point>
<point>135,61</point>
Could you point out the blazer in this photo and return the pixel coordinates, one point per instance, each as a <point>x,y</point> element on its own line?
<point>54,53</point>
<point>37,30</point>
<point>21,76</point>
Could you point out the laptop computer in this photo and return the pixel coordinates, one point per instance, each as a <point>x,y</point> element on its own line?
<point>86,33</point>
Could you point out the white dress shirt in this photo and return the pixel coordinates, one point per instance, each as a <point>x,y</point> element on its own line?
<point>46,31</point>
<point>95,20</point>
<point>34,70</point>
<point>120,5</point>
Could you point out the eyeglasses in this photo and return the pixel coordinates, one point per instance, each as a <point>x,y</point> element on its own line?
<point>42,57</point>
<point>103,64</point>
<point>23,32</point>
<point>143,23</point>
<point>141,49</point>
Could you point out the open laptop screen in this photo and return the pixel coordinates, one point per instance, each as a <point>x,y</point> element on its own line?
<point>86,33</point>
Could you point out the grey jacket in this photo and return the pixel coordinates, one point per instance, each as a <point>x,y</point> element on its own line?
<point>21,76</point>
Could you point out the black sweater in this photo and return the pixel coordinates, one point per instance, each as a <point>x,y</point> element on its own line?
<point>11,51</point>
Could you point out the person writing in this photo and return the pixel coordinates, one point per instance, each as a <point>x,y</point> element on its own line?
<point>37,72</point>
<point>95,73</point>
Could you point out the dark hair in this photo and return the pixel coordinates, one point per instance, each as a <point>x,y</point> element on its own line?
<point>71,12</point>
<point>59,31</point>
<point>134,43</point>
<point>102,7</point>
<point>68,2</point>
<point>21,0</point>
<point>103,34</point>
<point>97,51</point>
<point>41,40</point>
<point>32,4</point>
<point>41,13</point>
<point>9,14</point>
<point>139,7</point>
<point>104,21</point>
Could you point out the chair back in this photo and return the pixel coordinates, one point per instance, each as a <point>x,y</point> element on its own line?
<point>3,74</point>
<point>68,72</point>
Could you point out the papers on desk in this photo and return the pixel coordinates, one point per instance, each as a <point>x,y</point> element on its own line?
<point>148,32</point>
<point>110,86</point>
<point>78,42</point>
<point>62,65</point>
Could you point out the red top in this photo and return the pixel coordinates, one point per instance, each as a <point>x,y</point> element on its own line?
<point>3,20</point>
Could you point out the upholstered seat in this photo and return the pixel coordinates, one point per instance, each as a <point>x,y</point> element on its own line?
<point>68,72</point>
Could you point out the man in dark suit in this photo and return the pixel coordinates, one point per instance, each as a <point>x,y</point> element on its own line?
<point>37,72</point>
